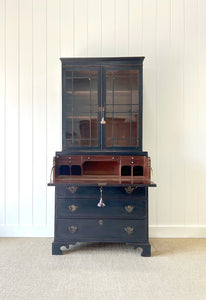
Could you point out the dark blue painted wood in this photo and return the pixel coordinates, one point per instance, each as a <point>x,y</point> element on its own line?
<point>101,65</point>
<point>87,207</point>
<point>89,223</point>
<point>80,230</point>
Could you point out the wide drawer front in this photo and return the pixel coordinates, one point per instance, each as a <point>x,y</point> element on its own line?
<point>75,191</point>
<point>74,207</point>
<point>101,230</point>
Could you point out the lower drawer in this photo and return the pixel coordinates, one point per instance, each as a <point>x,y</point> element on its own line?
<point>100,230</point>
<point>115,208</point>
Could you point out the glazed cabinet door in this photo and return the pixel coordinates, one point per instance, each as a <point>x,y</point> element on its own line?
<point>122,100</point>
<point>80,111</point>
<point>102,107</point>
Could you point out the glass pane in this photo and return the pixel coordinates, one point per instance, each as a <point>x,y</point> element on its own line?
<point>122,108</point>
<point>68,129</point>
<point>122,87</point>
<point>88,112</point>
<point>118,127</point>
<point>81,108</point>
<point>81,143</point>
<point>121,143</point>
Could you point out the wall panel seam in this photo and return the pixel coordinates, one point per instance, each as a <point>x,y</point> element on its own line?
<point>128,29</point>
<point>156,113</point>
<point>46,103</point>
<point>73,27</point>
<point>101,27</point>
<point>32,112</point>
<point>5,95</point>
<point>19,112</point>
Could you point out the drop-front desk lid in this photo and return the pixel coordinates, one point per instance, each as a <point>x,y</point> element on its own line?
<point>102,181</point>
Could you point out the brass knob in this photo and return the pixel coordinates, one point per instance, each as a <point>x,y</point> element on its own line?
<point>100,222</point>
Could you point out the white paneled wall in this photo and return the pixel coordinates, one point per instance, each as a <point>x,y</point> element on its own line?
<point>171,34</point>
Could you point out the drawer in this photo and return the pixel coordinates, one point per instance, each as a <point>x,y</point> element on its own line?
<point>115,208</point>
<point>129,159</point>
<point>77,191</point>
<point>127,192</point>
<point>101,230</point>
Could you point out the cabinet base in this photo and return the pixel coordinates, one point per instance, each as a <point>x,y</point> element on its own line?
<point>56,247</point>
<point>146,247</point>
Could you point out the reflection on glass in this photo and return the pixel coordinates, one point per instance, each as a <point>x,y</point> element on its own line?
<point>81,108</point>
<point>122,108</point>
<point>82,143</point>
<point>81,129</point>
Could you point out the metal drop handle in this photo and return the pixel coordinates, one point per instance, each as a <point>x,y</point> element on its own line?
<point>101,203</point>
<point>129,229</point>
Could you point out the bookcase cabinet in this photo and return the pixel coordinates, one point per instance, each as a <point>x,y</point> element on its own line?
<point>102,175</point>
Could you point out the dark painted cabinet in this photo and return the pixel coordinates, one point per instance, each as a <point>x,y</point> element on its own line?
<point>101,176</point>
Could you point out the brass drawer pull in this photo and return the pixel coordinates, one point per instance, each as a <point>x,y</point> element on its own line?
<point>73,207</point>
<point>129,189</point>
<point>129,208</point>
<point>129,229</point>
<point>72,188</point>
<point>72,228</point>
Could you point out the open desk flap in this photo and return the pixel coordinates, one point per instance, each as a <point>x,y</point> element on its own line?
<point>103,181</point>
<point>102,170</point>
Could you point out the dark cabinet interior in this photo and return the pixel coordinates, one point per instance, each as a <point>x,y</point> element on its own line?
<point>102,175</point>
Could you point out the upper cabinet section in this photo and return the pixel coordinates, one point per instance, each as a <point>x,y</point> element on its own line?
<point>102,103</point>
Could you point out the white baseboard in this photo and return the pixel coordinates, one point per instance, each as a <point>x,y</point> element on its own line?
<point>177,231</point>
<point>155,231</point>
<point>26,230</point>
